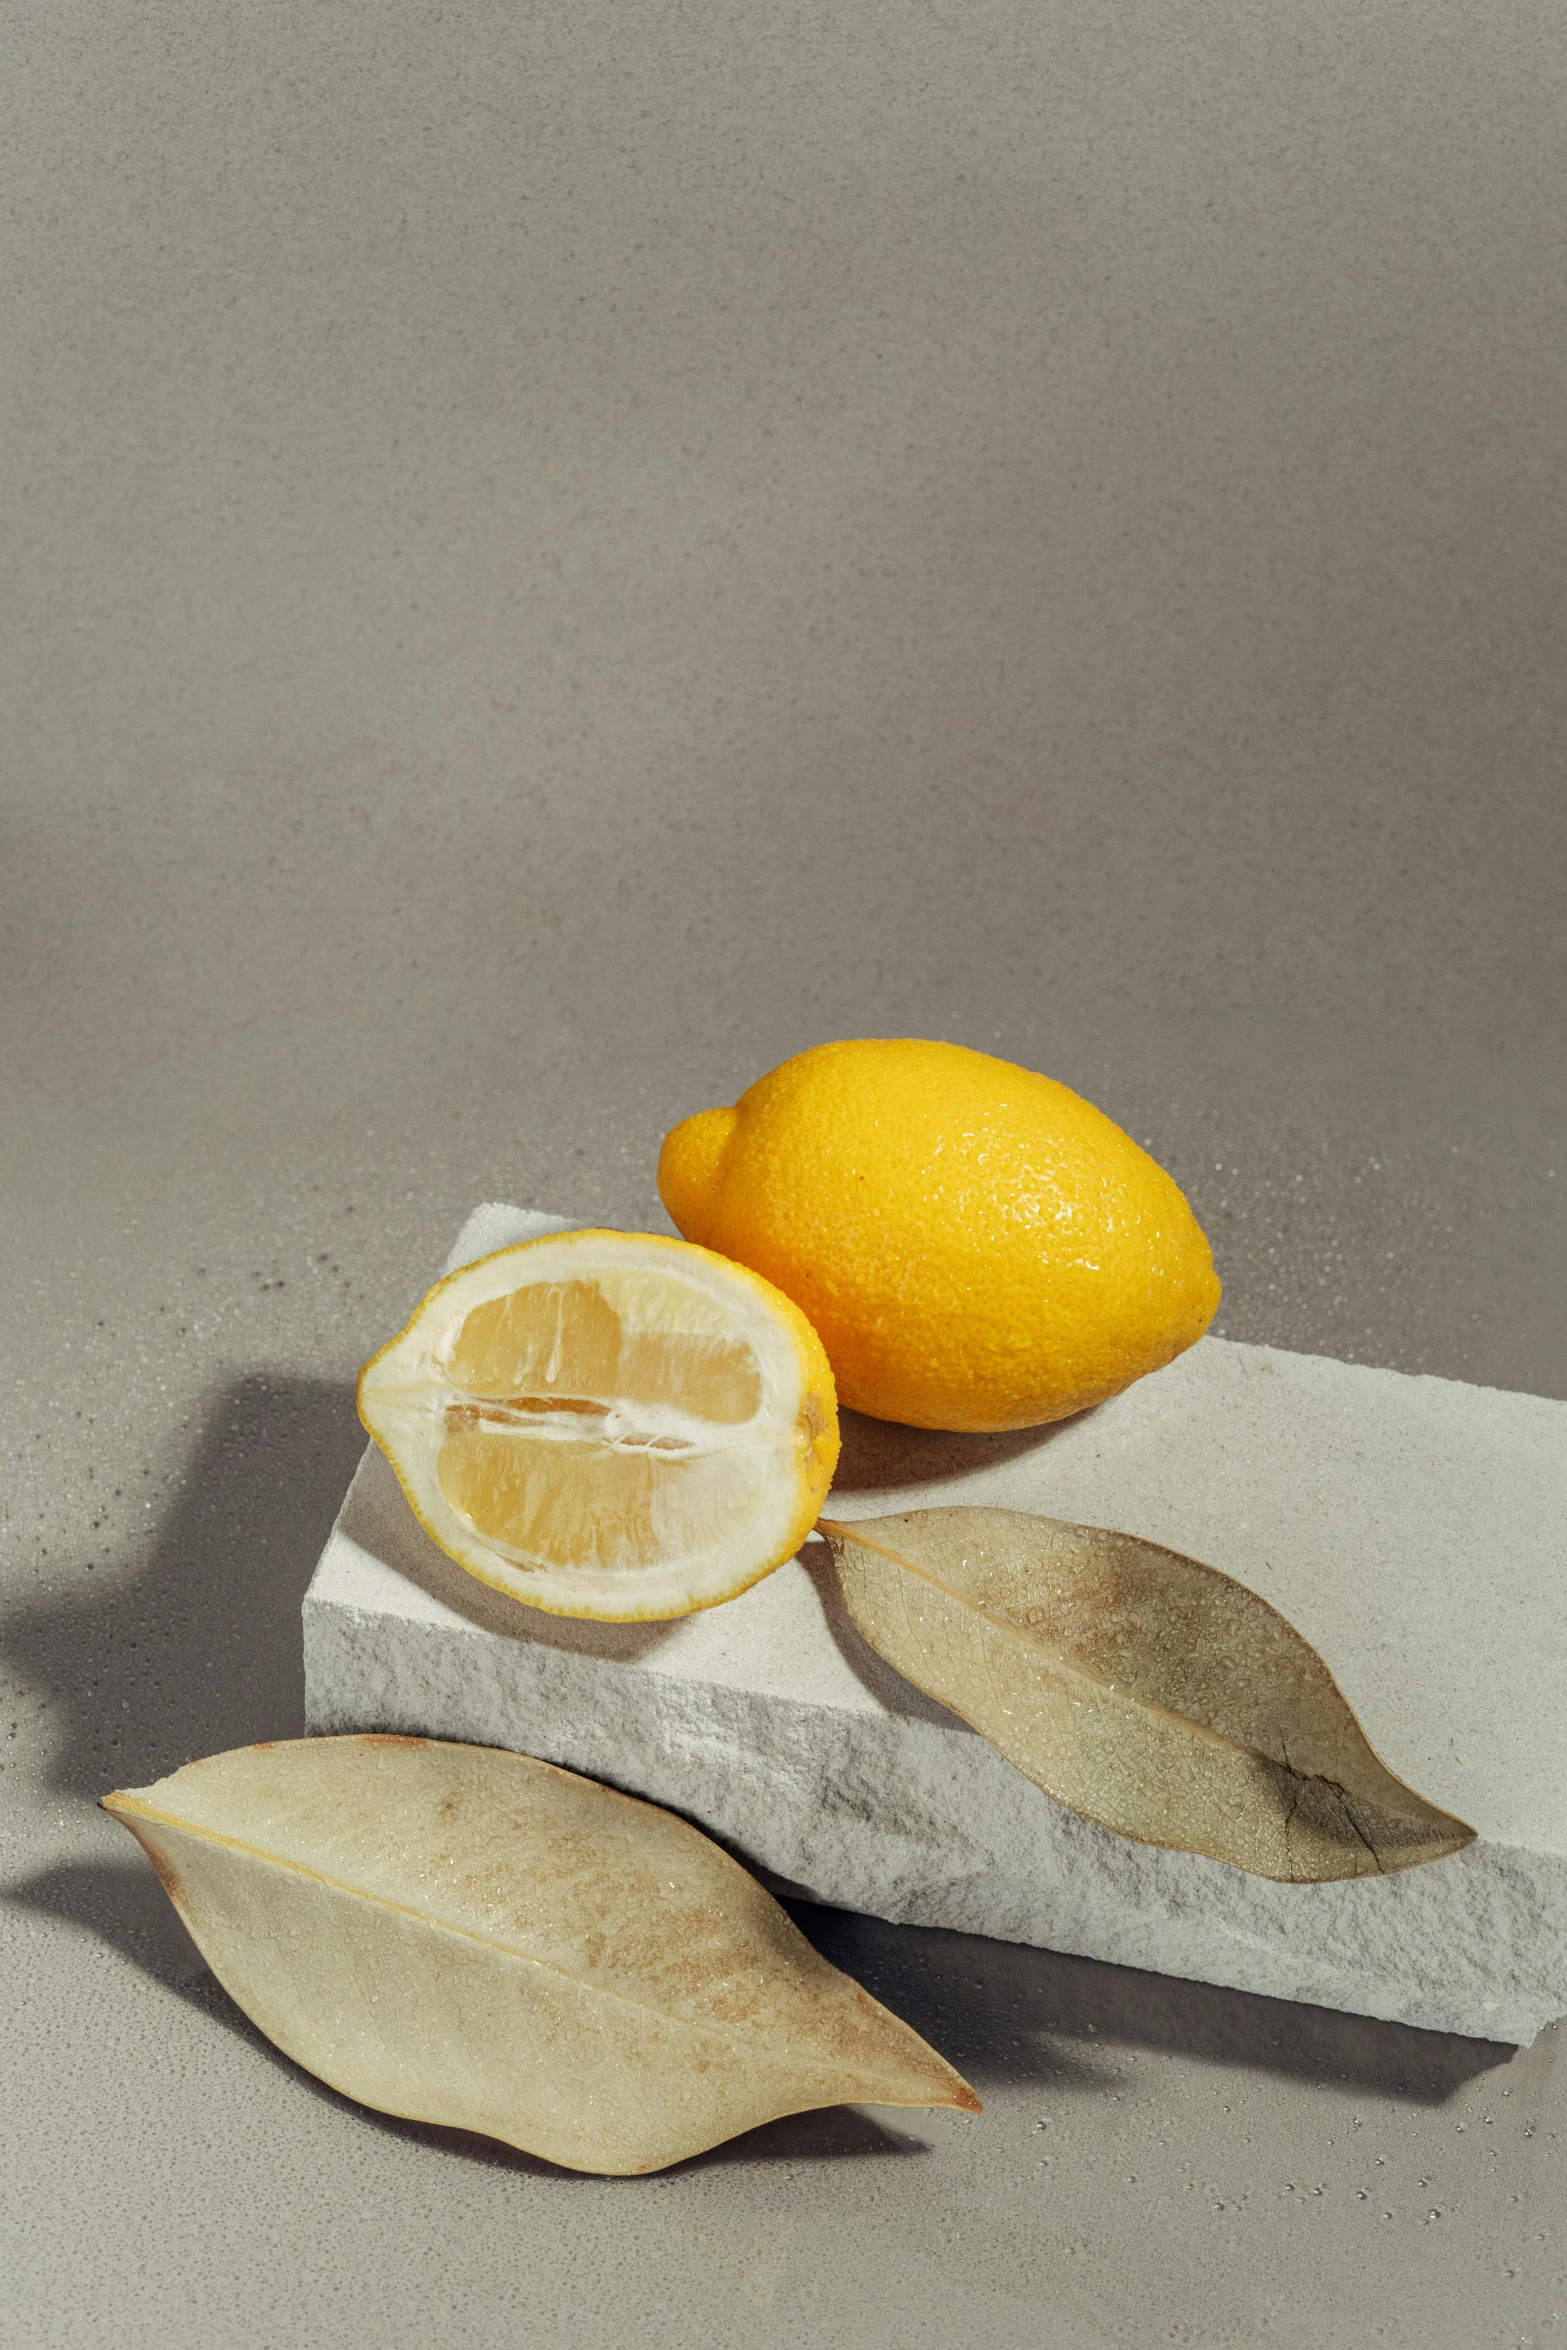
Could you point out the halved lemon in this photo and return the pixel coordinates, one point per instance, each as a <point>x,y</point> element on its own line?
<point>608,1424</point>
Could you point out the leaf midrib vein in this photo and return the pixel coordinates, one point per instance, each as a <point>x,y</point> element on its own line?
<point>1026,1638</point>
<point>146,1811</point>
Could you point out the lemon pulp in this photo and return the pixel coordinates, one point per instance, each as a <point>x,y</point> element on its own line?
<point>608,1424</point>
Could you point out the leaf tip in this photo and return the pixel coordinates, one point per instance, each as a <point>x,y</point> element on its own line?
<point>1451,1836</point>
<point>124,1805</point>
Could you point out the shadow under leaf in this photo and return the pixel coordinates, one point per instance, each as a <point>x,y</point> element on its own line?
<point>123,1904</point>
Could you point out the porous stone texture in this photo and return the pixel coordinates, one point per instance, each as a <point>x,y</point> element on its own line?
<point>1411,1528</point>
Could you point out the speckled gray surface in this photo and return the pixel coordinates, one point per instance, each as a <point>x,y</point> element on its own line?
<point>553,558</point>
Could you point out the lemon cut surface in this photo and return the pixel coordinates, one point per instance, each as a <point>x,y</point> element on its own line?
<point>608,1424</point>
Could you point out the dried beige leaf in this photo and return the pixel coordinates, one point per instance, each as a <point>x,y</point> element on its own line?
<point>467,1936</point>
<point>1144,1690</point>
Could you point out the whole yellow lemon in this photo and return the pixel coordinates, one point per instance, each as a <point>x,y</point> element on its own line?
<point>977,1246</point>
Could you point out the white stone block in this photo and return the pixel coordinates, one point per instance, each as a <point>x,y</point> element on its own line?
<point>1411,1528</point>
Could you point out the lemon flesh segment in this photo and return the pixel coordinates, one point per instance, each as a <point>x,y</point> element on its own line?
<point>608,1424</point>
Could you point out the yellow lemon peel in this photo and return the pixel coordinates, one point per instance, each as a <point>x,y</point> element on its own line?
<point>978,1247</point>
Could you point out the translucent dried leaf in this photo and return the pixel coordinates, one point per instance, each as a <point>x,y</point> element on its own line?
<point>467,1936</point>
<point>1138,1687</point>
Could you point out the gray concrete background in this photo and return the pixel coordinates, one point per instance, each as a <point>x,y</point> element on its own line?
<point>554,556</point>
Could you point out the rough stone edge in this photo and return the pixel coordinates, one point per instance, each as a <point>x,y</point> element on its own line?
<point>677,1743</point>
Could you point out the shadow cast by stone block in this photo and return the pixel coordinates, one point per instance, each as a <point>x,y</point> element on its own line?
<point>198,1647</point>
<point>1007,2016</point>
<point>1004,2012</point>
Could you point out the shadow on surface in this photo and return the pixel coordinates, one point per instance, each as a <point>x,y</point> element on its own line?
<point>123,1904</point>
<point>1006,2014</point>
<point>881,1455</point>
<point>199,1649</point>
